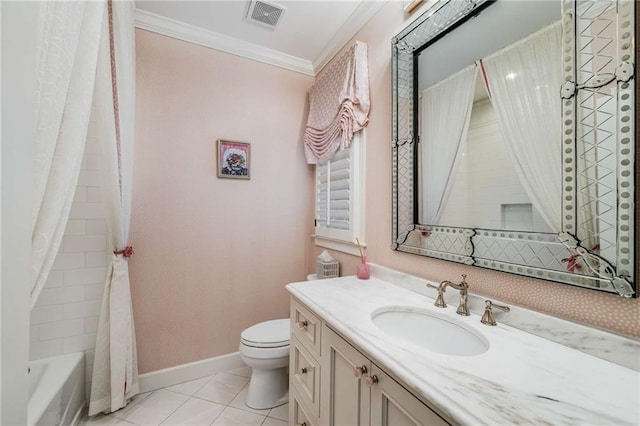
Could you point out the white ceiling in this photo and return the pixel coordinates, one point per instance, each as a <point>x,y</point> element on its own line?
<point>309,33</point>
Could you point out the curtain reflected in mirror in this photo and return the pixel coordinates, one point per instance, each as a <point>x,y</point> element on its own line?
<point>446,111</point>
<point>513,138</point>
<point>523,82</point>
<point>490,151</point>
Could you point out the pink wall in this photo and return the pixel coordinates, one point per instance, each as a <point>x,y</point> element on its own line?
<point>213,255</point>
<point>589,307</point>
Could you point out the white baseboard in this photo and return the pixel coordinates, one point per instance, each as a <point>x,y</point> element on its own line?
<point>191,371</point>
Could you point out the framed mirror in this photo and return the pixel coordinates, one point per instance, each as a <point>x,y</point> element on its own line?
<point>514,139</point>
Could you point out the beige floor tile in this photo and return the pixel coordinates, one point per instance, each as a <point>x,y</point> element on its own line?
<point>280,413</point>
<point>103,420</point>
<point>236,417</point>
<point>190,387</point>
<point>270,421</point>
<point>208,403</point>
<point>222,388</point>
<point>195,412</point>
<point>242,371</point>
<point>231,380</point>
<point>113,418</point>
<point>239,402</point>
<point>134,401</point>
<point>153,409</point>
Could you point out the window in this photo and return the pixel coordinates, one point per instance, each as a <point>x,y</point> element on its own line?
<point>340,199</point>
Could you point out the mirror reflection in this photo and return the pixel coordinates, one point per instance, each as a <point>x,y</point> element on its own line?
<point>489,121</point>
<point>513,144</point>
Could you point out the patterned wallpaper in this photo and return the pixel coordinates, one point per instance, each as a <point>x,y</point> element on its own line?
<point>596,309</point>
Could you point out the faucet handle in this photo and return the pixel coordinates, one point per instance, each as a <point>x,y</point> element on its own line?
<point>503,308</point>
<point>463,307</point>
<point>440,303</point>
<point>487,317</point>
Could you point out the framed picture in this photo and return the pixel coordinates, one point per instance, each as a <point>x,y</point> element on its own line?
<point>233,159</point>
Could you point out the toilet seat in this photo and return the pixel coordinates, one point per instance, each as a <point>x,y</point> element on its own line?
<point>264,353</point>
<point>268,334</point>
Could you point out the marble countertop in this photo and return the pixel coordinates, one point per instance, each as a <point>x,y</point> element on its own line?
<point>521,379</point>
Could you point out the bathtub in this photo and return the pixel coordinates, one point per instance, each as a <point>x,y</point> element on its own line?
<point>56,390</point>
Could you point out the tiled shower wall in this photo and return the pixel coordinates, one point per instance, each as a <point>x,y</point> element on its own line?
<point>65,316</point>
<point>479,191</point>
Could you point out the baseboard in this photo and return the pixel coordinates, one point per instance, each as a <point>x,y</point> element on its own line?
<point>191,371</point>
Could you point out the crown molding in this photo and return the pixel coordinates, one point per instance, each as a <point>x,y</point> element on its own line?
<point>192,34</point>
<point>360,16</point>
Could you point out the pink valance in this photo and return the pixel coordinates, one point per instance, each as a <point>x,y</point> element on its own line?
<point>338,105</point>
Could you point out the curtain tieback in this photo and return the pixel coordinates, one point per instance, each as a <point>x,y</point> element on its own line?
<point>126,252</point>
<point>572,261</point>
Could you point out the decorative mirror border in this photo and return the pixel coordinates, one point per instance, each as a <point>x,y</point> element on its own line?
<point>503,250</point>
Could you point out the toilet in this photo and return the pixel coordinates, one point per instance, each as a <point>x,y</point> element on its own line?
<point>265,348</point>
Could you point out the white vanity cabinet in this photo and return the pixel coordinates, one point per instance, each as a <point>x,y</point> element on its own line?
<point>393,405</point>
<point>520,379</point>
<point>333,383</point>
<point>304,366</point>
<point>345,398</point>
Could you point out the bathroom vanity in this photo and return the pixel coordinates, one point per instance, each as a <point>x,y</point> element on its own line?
<point>349,367</point>
<point>354,389</point>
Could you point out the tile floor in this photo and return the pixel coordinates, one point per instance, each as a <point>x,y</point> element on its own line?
<point>214,400</point>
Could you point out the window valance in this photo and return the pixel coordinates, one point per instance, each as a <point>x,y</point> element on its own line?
<point>338,105</point>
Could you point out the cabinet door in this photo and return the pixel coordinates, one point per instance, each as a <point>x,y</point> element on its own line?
<point>298,416</point>
<point>305,326</point>
<point>393,405</point>
<point>344,397</point>
<point>304,373</point>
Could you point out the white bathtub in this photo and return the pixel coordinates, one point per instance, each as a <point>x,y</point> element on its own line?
<point>56,390</point>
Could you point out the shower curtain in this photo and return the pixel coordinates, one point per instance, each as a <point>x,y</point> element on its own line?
<point>446,111</point>
<point>115,367</point>
<point>523,82</point>
<point>67,59</point>
<point>86,78</point>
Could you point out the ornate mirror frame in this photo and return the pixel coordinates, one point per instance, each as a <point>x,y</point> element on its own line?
<point>534,254</point>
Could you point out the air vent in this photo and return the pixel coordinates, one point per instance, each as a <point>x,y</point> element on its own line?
<point>265,14</point>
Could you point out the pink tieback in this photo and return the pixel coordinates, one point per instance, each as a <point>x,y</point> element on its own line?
<point>572,262</point>
<point>127,252</point>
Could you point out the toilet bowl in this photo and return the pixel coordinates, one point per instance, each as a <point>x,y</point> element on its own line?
<point>265,348</point>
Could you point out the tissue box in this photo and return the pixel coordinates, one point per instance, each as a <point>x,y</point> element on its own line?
<point>328,269</point>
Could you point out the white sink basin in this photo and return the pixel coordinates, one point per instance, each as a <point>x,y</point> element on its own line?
<point>437,333</point>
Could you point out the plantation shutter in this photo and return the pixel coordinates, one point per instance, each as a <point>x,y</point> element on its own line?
<point>333,188</point>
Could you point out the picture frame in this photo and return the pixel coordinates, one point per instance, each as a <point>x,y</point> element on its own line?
<point>233,159</point>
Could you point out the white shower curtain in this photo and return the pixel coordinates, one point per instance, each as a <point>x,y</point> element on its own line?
<point>524,85</point>
<point>115,369</point>
<point>446,111</point>
<point>85,67</point>
<point>68,40</point>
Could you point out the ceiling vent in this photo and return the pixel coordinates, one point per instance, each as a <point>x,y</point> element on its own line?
<point>265,14</point>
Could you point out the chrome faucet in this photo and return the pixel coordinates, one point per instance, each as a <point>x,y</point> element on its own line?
<point>463,287</point>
